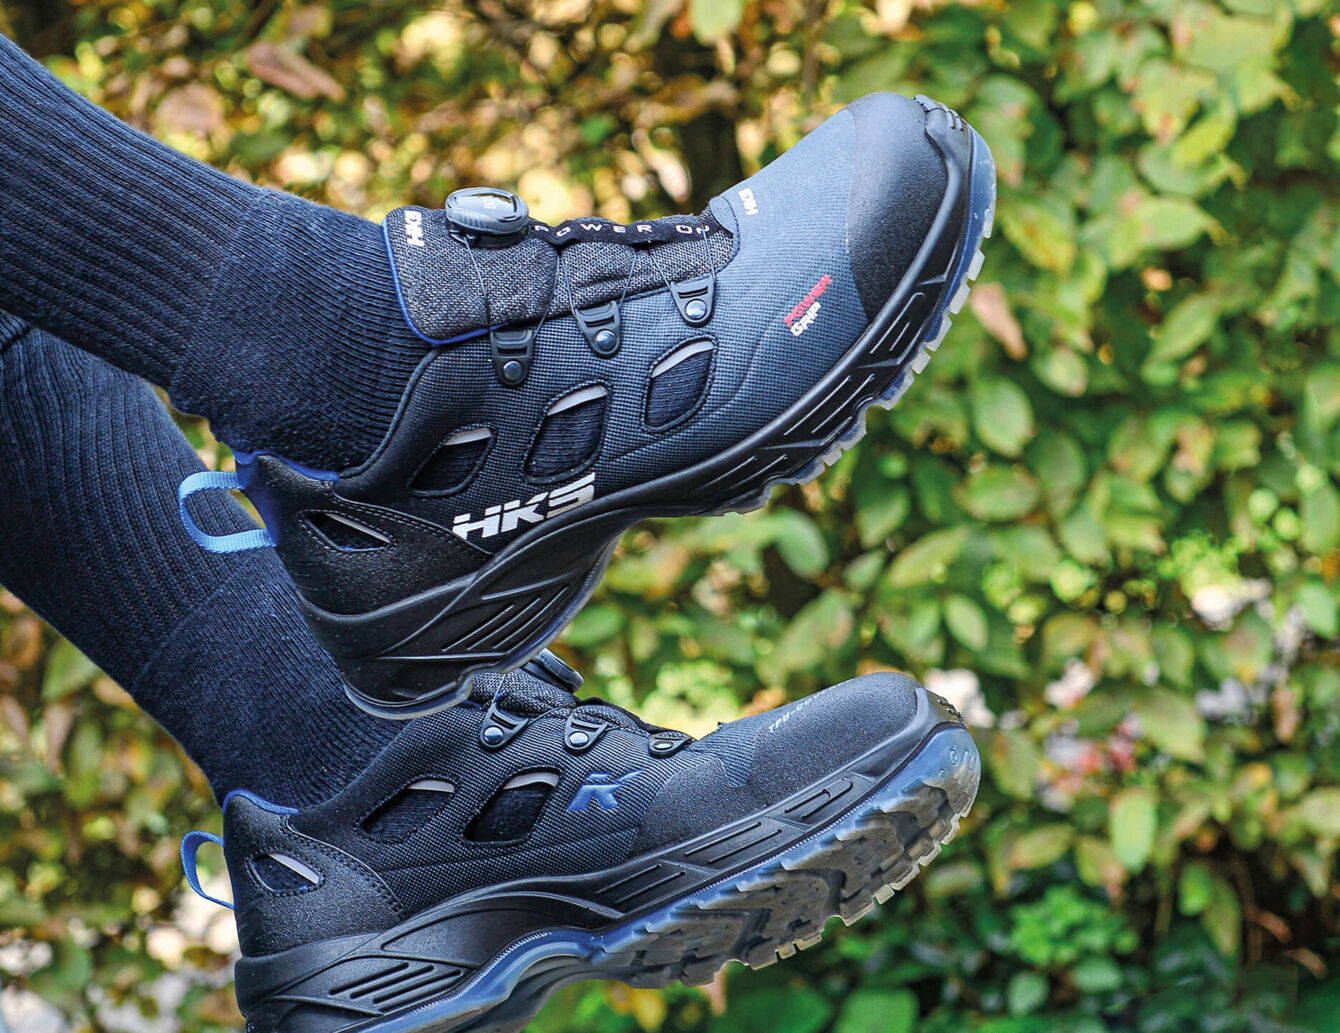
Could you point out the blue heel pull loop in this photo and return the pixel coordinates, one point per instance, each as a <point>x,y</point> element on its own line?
<point>190,846</point>
<point>214,480</point>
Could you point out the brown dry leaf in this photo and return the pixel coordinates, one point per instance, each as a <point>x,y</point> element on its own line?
<point>1284,703</point>
<point>193,108</point>
<point>13,717</point>
<point>21,644</point>
<point>59,719</point>
<point>280,67</point>
<point>1310,960</point>
<point>992,310</point>
<point>715,992</point>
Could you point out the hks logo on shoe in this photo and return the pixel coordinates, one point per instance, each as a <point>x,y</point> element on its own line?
<point>538,508</point>
<point>414,227</point>
<point>600,786</point>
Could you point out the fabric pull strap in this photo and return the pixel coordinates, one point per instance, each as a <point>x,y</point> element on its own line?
<point>213,480</point>
<point>190,845</point>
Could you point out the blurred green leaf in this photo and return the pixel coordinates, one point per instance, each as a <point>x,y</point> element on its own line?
<point>67,671</point>
<point>785,1010</point>
<point>1172,723</point>
<point>1320,810</point>
<point>878,1011</point>
<point>1040,846</point>
<point>927,558</point>
<point>800,543</point>
<point>1027,992</point>
<point>1185,329</point>
<point>999,493</point>
<point>1042,231</point>
<point>1132,822</point>
<point>966,621</point>
<point>1002,415</point>
<point>713,19</point>
<point>1321,608</point>
<point>1319,514</point>
<point>1014,761</point>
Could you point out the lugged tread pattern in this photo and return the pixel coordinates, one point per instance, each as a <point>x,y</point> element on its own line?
<point>773,913</point>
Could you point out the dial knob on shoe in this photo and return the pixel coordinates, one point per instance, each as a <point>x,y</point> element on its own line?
<point>487,216</point>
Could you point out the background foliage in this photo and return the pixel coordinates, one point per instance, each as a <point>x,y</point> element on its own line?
<point>1107,519</point>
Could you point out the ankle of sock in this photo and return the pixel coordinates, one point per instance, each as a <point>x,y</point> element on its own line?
<point>214,647</point>
<point>265,711</point>
<point>302,349</point>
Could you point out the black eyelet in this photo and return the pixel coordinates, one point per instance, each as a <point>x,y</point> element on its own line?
<point>695,299</point>
<point>513,351</point>
<point>500,727</point>
<point>665,742</point>
<point>600,327</point>
<point>580,733</point>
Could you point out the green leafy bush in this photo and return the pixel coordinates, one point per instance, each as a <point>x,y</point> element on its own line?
<point>1113,498</point>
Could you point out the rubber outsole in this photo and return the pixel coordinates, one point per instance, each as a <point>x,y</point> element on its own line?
<point>757,916</point>
<point>508,612</point>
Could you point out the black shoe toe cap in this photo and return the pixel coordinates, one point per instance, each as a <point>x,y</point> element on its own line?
<point>898,184</point>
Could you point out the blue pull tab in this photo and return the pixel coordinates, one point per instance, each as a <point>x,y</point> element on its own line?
<point>214,480</point>
<point>190,845</point>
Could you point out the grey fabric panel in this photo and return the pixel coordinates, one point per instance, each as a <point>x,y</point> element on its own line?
<point>449,290</point>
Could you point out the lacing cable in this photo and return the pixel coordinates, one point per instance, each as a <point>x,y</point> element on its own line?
<point>576,231</point>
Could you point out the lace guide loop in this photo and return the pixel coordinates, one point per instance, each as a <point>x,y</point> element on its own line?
<point>600,327</point>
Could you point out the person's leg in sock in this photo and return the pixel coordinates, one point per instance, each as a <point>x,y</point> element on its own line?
<point>274,317</point>
<point>214,648</point>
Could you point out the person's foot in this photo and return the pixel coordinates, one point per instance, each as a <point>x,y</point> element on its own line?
<point>528,839</point>
<point>677,367</point>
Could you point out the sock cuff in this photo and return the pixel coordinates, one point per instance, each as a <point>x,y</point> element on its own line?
<point>302,322</point>
<point>110,236</point>
<point>213,682</point>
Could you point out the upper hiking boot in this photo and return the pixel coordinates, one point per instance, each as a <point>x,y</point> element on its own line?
<point>579,378</point>
<point>527,839</point>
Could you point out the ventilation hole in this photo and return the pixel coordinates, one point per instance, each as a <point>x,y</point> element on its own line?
<point>454,462</point>
<point>677,383</point>
<point>570,433</point>
<point>344,533</point>
<point>409,810</point>
<point>514,809</point>
<point>280,873</point>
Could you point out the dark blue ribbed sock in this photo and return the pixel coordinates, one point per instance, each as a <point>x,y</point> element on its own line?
<point>212,647</point>
<point>273,317</point>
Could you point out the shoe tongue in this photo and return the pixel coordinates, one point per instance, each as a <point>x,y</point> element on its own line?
<point>441,280</point>
<point>521,692</point>
<point>540,686</point>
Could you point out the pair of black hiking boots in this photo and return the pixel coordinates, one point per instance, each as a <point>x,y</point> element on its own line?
<point>516,837</point>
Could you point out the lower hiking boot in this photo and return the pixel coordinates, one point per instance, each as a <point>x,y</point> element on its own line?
<point>582,377</point>
<point>527,839</point>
